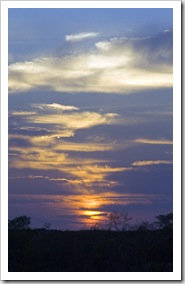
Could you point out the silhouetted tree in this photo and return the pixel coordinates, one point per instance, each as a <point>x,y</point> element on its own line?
<point>143,226</point>
<point>119,221</point>
<point>19,223</point>
<point>47,226</point>
<point>98,226</point>
<point>164,221</point>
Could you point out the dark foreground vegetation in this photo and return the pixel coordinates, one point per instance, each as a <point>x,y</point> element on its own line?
<point>45,250</point>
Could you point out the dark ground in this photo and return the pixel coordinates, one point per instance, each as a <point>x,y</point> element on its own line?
<point>90,251</point>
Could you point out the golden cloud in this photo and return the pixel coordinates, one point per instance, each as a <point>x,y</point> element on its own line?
<point>49,153</point>
<point>86,147</point>
<point>90,174</point>
<point>90,171</point>
<point>61,121</point>
<point>75,120</point>
<point>152,141</point>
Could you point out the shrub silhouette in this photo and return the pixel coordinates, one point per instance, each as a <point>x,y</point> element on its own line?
<point>47,226</point>
<point>144,226</point>
<point>164,221</point>
<point>119,221</point>
<point>19,223</point>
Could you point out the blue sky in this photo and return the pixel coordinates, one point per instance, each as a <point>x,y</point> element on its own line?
<point>38,31</point>
<point>90,114</point>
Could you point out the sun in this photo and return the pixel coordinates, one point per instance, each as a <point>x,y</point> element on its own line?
<point>92,214</point>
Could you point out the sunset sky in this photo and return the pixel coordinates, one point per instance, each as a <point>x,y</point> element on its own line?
<point>90,114</point>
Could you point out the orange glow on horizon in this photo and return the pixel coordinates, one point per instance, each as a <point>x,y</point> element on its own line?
<point>93,215</point>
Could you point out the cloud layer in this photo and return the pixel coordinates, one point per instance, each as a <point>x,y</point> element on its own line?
<point>116,65</point>
<point>50,151</point>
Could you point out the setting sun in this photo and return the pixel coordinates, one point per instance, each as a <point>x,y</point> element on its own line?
<point>93,214</point>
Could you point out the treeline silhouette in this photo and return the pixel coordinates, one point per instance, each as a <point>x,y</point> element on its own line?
<point>113,246</point>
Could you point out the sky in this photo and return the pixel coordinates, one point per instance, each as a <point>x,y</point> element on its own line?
<point>90,114</point>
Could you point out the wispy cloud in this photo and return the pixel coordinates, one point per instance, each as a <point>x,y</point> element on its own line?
<point>80,36</point>
<point>51,152</point>
<point>86,147</point>
<point>55,106</point>
<point>153,141</point>
<point>96,174</point>
<point>118,65</point>
<point>23,113</point>
<point>60,120</point>
<point>75,120</point>
<point>81,173</point>
<point>151,163</point>
<point>57,143</point>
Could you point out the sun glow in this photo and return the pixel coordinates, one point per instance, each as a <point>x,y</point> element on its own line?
<point>91,213</point>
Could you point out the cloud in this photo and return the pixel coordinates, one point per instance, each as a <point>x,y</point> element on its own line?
<point>75,120</point>
<point>152,141</point>
<point>56,143</point>
<point>80,36</point>
<point>103,45</point>
<point>56,121</point>
<point>23,113</point>
<point>151,163</point>
<point>118,65</point>
<point>52,152</point>
<point>55,106</point>
<point>95,174</point>
<point>86,147</point>
<point>82,173</point>
<point>29,177</point>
